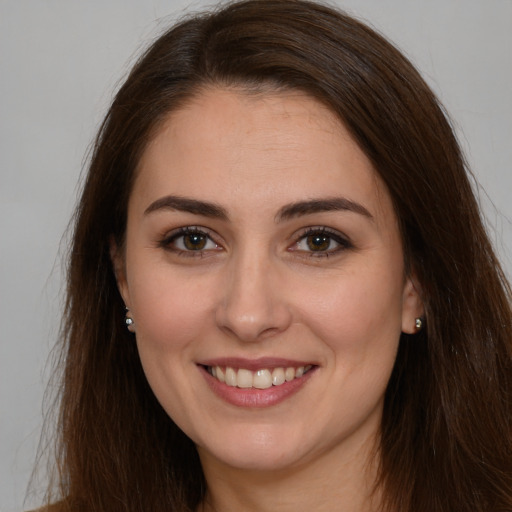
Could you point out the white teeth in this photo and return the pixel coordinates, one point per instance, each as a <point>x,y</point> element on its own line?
<point>231,379</point>
<point>244,378</point>
<point>220,374</point>
<point>261,379</point>
<point>278,376</point>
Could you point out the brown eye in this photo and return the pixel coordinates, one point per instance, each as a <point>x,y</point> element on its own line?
<point>189,240</point>
<point>321,242</point>
<point>318,242</point>
<point>195,241</point>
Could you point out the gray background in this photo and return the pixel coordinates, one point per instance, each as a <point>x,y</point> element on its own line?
<point>61,60</point>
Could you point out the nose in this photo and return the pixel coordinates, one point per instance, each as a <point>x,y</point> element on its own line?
<point>252,305</point>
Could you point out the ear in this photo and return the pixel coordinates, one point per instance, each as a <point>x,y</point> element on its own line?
<point>412,305</point>
<point>118,264</point>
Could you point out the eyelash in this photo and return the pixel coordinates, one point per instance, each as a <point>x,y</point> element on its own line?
<point>170,239</point>
<point>320,231</point>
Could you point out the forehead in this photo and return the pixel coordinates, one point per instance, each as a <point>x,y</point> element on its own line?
<point>283,144</point>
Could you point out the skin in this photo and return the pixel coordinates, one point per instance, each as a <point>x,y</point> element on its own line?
<point>259,289</point>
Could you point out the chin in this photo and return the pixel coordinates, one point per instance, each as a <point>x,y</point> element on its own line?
<point>252,459</point>
<point>261,451</point>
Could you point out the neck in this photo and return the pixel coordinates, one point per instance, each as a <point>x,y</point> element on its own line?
<point>332,482</point>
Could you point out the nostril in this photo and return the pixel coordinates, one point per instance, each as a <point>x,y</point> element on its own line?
<point>251,306</point>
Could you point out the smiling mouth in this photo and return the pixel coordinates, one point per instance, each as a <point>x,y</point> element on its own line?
<point>259,379</point>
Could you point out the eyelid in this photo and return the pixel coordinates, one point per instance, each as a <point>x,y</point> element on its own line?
<point>341,239</point>
<point>166,240</point>
<point>343,242</point>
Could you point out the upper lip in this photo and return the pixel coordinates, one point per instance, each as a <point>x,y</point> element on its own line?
<point>255,364</point>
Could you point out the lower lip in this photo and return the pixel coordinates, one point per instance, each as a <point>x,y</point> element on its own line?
<point>254,398</point>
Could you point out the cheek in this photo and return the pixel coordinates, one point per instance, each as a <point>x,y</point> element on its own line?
<point>170,309</point>
<point>357,312</point>
<point>172,319</point>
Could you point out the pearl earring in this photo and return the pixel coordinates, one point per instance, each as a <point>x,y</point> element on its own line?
<point>418,323</point>
<point>130,324</point>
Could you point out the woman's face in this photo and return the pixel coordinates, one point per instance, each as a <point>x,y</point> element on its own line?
<point>264,272</point>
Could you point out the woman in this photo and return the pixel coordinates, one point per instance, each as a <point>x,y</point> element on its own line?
<point>281,295</point>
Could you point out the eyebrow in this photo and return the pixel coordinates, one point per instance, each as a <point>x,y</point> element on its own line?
<point>330,204</point>
<point>289,211</point>
<point>185,204</point>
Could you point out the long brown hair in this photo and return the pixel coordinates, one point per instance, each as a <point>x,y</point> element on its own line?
<point>446,440</point>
